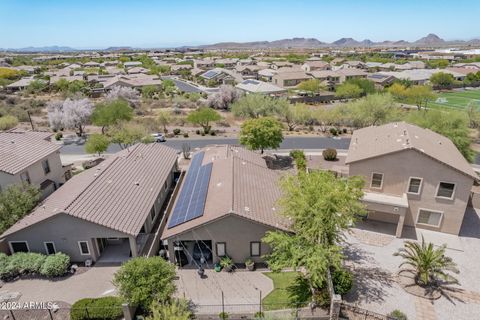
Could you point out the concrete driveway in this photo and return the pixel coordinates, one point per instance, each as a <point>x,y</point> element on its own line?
<point>241,289</point>
<point>95,282</point>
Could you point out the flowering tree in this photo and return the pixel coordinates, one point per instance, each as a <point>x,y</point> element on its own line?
<point>70,114</point>
<point>225,96</point>
<point>128,94</point>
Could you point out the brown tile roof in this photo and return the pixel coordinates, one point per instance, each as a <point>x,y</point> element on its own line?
<point>240,184</point>
<point>19,150</point>
<point>373,142</point>
<point>118,193</point>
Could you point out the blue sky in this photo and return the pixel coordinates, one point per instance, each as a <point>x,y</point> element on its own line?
<point>142,23</point>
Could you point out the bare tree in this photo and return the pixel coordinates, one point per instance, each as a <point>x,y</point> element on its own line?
<point>129,94</point>
<point>70,114</point>
<point>225,96</point>
<point>186,150</point>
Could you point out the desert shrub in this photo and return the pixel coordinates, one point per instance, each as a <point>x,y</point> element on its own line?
<point>55,265</point>
<point>329,154</point>
<point>223,315</point>
<point>104,308</point>
<point>342,281</point>
<point>397,314</point>
<point>8,122</point>
<point>185,135</point>
<point>197,131</point>
<point>176,131</point>
<point>344,130</point>
<point>58,136</point>
<point>333,131</point>
<point>213,133</point>
<point>300,159</point>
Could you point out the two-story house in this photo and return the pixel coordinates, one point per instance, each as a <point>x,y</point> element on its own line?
<point>413,177</point>
<point>29,157</point>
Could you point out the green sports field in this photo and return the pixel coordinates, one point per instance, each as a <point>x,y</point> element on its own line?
<point>456,99</point>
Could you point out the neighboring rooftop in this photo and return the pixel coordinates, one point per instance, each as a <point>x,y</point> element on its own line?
<point>373,142</point>
<point>118,193</point>
<point>21,149</point>
<point>257,86</point>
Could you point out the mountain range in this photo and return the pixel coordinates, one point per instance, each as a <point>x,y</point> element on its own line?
<point>431,40</point>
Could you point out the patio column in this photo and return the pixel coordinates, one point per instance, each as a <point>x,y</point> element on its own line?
<point>401,220</point>
<point>171,251</point>
<point>133,246</point>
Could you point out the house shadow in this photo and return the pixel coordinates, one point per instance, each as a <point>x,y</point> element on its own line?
<point>385,228</point>
<point>471,224</point>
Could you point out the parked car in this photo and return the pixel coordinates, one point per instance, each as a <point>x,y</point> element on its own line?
<point>158,137</point>
<point>200,249</point>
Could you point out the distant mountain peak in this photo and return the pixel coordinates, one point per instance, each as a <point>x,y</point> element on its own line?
<point>431,38</point>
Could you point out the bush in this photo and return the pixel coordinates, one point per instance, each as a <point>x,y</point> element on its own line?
<point>8,122</point>
<point>329,154</point>
<point>212,133</point>
<point>342,281</point>
<point>55,265</point>
<point>58,136</point>
<point>223,315</point>
<point>397,314</point>
<point>21,263</point>
<point>344,130</point>
<point>197,131</point>
<point>105,308</point>
<point>333,131</point>
<point>185,135</point>
<point>176,131</point>
<point>3,265</point>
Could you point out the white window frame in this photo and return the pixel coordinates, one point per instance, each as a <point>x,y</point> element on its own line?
<point>430,210</point>
<point>46,249</point>
<point>80,248</point>
<point>419,187</point>
<point>453,192</point>
<point>371,180</point>
<point>20,241</point>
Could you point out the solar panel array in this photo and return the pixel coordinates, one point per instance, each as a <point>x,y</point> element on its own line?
<point>210,74</point>
<point>191,201</point>
<point>250,82</point>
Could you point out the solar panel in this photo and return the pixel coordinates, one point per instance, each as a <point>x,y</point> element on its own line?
<point>210,74</point>
<point>191,201</point>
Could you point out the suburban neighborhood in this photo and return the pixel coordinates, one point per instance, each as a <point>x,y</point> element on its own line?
<point>195,170</point>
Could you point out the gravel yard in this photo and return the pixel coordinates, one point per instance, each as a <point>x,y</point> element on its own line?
<point>370,254</point>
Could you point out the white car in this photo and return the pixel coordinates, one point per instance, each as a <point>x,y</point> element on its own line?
<point>158,137</point>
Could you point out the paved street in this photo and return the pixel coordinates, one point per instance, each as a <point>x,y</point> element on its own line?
<point>310,143</point>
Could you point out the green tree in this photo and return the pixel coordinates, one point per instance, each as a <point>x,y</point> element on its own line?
<point>442,79</point>
<point>148,92</point>
<point>97,143</point>
<point>111,112</point>
<point>419,95</point>
<point>451,124</point>
<point>294,114</point>
<point>398,91</point>
<point>176,310</point>
<point>261,133</point>
<point>126,134</point>
<point>257,105</point>
<point>367,86</point>
<point>16,201</point>
<point>164,118</point>
<point>312,85</point>
<point>142,281</point>
<point>348,90</point>
<point>373,110</point>
<point>430,264</point>
<point>203,117</point>
<point>37,86</point>
<point>320,208</point>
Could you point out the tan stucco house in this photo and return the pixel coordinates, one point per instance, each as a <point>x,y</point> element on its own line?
<point>29,157</point>
<point>107,213</point>
<point>228,210</point>
<point>413,176</point>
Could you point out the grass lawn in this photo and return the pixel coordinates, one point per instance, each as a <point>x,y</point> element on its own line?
<point>456,99</point>
<point>278,298</point>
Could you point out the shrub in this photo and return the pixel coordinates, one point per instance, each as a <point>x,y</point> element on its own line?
<point>176,131</point>
<point>223,315</point>
<point>333,131</point>
<point>197,131</point>
<point>344,130</point>
<point>8,122</point>
<point>55,265</point>
<point>105,308</point>
<point>213,133</point>
<point>58,136</point>
<point>342,281</point>
<point>185,135</point>
<point>32,262</point>
<point>397,314</point>
<point>329,154</point>
<point>3,265</point>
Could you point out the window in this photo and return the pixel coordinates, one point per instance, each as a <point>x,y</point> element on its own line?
<point>377,180</point>
<point>255,249</point>
<point>414,185</point>
<point>221,249</point>
<point>19,246</point>
<point>49,248</point>
<point>84,249</point>
<point>46,166</point>
<point>428,217</point>
<point>152,213</point>
<point>25,177</point>
<point>445,190</point>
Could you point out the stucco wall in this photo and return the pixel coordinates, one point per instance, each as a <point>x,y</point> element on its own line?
<point>235,231</point>
<point>398,167</point>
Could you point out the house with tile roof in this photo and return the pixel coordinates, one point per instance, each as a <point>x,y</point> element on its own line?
<point>413,177</point>
<point>107,213</point>
<point>30,157</point>
<point>233,208</point>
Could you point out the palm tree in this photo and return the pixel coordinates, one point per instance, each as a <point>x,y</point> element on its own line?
<point>430,264</point>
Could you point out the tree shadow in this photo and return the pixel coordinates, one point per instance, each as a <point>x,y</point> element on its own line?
<point>277,162</point>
